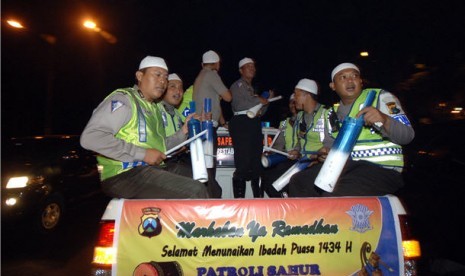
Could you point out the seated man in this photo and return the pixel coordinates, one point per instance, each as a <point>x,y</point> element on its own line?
<point>175,128</point>
<point>126,129</point>
<point>377,159</point>
<point>285,142</point>
<point>307,133</point>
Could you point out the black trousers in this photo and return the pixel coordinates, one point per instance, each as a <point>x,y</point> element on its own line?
<point>358,178</point>
<point>180,164</point>
<point>213,187</point>
<point>247,141</point>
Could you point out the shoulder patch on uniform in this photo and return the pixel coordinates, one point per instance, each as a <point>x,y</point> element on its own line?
<point>115,105</point>
<point>392,106</point>
<point>402,118</point>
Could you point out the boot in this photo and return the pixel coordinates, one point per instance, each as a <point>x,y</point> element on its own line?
<point>238,187</point>
<point>257,190</point>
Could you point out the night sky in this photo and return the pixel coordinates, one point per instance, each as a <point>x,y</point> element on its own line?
<point>289,40</point>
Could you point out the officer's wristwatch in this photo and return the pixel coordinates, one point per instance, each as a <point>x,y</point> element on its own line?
<point>378,125</point>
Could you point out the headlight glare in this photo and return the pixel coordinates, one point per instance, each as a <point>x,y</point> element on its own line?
<point>17,182</point>
<point>23,181</point>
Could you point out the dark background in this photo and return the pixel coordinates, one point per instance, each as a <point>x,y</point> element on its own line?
<point>416,51</point>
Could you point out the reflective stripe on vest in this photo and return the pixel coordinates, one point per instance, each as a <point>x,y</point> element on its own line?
<point>170,123</point>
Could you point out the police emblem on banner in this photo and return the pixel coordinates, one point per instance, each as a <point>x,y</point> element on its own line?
<point>150,225</point>
<point>360,218</point>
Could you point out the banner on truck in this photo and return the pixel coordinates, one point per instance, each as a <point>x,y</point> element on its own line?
<point>324,236</point>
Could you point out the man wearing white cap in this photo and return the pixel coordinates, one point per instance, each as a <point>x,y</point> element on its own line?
<point>175,125</point>
<point>308,129</point>
<point>246,133</point>
<point>309,126</point>
<point>376,160</point>
<point>208,84</point>
<point>173,121</point>
<point>126,129</point>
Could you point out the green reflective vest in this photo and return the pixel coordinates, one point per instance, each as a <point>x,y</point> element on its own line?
<point>144,129</point>
<point>288,132</point>
<point>311,137</point>
<point>170,123</point>
<point>371,146</point>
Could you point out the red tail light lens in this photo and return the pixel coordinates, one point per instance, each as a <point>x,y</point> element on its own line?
<point>107,232</point>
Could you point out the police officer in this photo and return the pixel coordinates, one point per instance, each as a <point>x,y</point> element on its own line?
<point>175,128</point>
<point>246,133</point>
<point>285,142</point>
<point>208,84</point>
<point>126,129</point>
<point>309,126</point>
<point>307,131</point>
<point>376,160</point>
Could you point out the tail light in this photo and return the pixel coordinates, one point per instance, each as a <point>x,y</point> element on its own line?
<point>410,247</point>
<point>104,251</point>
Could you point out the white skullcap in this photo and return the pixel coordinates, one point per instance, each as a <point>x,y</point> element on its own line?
<point>244,61</point>
<point>343,66</point>
<point>210,57</point>
<point>174,76</point>
<point>292,97</point>
<point>150,61</point>
<point>308,86</point>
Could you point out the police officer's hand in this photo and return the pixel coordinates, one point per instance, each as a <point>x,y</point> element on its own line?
<point>207,116</point>
<point>374,117</point>
<point>154,156</point>
<point>262,100</point>
<point>185,128</point>
<point>271,94</point>
<point>322,154</point>
<point>294,154</point>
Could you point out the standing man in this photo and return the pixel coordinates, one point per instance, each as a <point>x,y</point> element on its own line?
<point>246,133</point>
<point>376,161</point>
<point>175,126</point>
<point>126,129</point>
<point>208,84</point>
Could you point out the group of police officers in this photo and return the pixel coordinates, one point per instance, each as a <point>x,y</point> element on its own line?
<point>133,128</point>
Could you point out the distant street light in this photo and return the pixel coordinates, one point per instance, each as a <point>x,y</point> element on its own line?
<point>50,39</point>
<point>364,54</point>
<point>91,25</point>
<point>15,24</point>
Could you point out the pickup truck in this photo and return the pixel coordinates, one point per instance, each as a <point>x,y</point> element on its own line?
<point>278,236</point>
